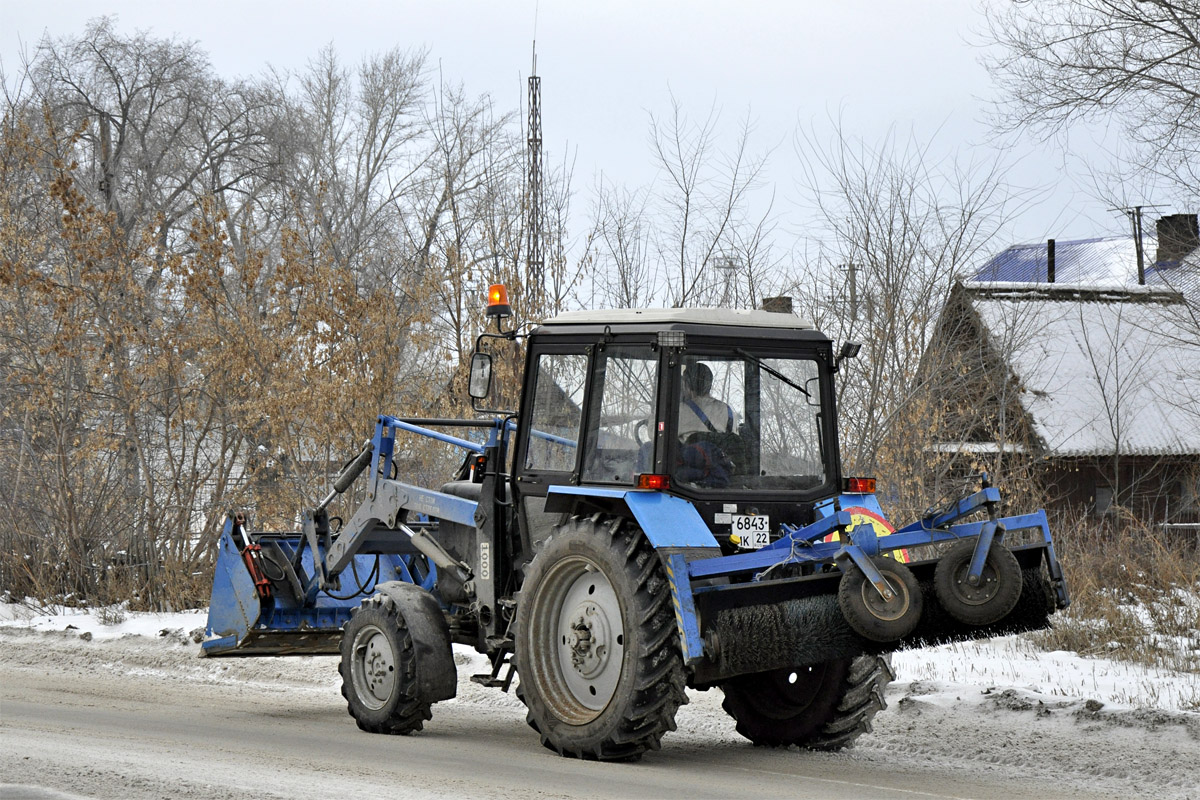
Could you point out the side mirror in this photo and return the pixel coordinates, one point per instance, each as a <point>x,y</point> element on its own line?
<point>479,385</point>
<point>812,393</point>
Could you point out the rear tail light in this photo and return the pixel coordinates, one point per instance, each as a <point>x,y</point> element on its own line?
<point>649,480</point>
<point>858,485</point>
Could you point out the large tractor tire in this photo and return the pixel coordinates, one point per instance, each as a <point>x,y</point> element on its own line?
<point>597,647</point>
<point>824,707</point>
<point>396,660</point>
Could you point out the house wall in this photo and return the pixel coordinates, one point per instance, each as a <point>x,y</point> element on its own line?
<point>1153,489</point>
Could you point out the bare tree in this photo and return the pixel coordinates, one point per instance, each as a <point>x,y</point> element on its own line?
<point>624,277</point>
<point>208,288</point>
<point>704,201</point>
<point>696,234</point>
<point>895,228</point>
<point>1132,62</point>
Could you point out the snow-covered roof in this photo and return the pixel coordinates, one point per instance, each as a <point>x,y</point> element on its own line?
<point>1110,262</point>
<point>1101,370</point>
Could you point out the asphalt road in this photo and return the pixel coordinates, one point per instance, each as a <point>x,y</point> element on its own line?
<point>101,723</point>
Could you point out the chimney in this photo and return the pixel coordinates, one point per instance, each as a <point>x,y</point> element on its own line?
<point>1050,261</point>
<point>1178,235</point>
<point>779,305</point>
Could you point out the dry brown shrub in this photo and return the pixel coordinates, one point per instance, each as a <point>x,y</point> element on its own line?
<point>1135,593</point>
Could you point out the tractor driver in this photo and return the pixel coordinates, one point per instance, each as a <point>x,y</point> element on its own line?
<point>699,411</point>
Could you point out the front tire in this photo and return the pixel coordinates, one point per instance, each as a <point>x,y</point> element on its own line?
<point>823,707</point>
<point>379,670</point>
<point>597,648</point>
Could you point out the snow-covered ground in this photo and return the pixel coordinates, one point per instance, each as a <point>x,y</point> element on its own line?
<point>997,713</point>
<point>984,667</point>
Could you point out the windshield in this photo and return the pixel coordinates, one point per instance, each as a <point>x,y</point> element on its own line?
<point>748,421</point>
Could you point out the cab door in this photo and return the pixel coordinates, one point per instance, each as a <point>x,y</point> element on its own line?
<point>549,434</point>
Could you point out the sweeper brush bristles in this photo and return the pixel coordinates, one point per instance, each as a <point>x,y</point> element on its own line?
<point>812,630</point>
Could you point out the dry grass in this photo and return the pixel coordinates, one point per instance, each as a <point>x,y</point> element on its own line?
<point>50,574</point>
<point>1135,594</point>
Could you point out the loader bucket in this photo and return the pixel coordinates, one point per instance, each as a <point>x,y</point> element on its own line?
<point>285,617</point>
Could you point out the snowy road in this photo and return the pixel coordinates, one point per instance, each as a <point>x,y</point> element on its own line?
<point>140,717</point>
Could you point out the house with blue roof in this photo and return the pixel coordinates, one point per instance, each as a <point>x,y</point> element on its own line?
<point>1064,361</point>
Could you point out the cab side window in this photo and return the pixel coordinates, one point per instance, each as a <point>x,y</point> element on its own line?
<point>553,439</point>
<point>620,436</point>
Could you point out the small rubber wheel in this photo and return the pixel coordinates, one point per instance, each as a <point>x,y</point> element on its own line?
<point>869,614</point>
<point>992,598</point>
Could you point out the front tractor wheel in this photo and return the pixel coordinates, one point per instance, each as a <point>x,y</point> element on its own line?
<point>378,670</point>
<point>596,645</point>
<point>822,707</point>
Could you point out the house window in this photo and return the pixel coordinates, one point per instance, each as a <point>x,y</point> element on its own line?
<point>1104,498</point>
<point>1189,491</point>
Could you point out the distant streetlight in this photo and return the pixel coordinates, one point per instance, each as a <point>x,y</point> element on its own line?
<point>725,262</point>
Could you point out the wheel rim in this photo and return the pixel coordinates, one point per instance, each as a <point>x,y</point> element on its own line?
<point>965,593</point>
<point>889,610</point>
<point>578,640</point>
<point>373,667</point>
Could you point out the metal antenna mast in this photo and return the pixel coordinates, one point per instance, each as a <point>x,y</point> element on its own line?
<point>535,261</point>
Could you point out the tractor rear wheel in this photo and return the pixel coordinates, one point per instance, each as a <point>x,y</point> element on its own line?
<point>378,669</point>
<point>822,707</point>
<point>596,644</point>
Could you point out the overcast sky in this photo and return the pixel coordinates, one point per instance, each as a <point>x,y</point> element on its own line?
<point>606,65</point>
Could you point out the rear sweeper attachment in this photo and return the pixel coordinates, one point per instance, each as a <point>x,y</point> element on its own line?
<point>675,515</point>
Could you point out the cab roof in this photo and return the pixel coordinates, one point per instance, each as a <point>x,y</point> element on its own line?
<point>671,317</point>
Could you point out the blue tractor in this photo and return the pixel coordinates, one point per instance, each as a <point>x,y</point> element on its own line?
<point>666,509</point>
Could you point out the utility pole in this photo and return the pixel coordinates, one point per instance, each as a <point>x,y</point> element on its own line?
<point>852,272</point>
<point>1135,221</point>
<point>729,265</point>
<point>1137,238</point>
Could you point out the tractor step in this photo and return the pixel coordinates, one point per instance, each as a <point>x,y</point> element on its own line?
<point>486,679</point>
<point>499,661</point>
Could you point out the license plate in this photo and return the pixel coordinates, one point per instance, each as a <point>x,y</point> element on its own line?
<point>753,530</point>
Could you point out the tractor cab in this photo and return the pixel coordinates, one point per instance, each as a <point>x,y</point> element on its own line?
<point>732,410</point>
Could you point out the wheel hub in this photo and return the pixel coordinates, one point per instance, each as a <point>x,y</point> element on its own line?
<point>374,668</point>
<point>589,638</point>
<point>979,592</point>
<point>890,609</point>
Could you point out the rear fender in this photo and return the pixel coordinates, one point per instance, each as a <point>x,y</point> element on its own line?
<point>667,521</point>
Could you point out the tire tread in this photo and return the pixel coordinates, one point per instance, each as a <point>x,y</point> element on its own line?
<point>659,692</point>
